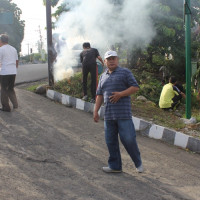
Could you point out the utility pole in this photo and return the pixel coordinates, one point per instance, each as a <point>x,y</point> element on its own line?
<point>49,42</point>
<point>40,45</point>
<point>41,40</point>
<point>28,48</point>
<point>188,56</point>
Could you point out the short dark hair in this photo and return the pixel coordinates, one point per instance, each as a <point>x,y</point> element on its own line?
<point>4,38</point>
<point>172,79</point>
<point>86,45</point>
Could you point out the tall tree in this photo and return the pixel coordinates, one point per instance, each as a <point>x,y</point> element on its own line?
<point>60,9</point>
<point>15,30</point>
<point>168,19</point>
<point>53,2</point>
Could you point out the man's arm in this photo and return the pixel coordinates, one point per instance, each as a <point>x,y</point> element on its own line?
<point>183,95</point>
<point>81,57</point>
<point>176,89</point>
<point>117,95</point>
<point>17,63</point>
<point>99,101</point>
<point>101,60</point>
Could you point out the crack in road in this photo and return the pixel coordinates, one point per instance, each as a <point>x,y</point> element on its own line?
<point>30,158</point>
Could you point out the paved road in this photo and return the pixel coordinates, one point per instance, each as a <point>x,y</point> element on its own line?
<point>31,72</point>
<point>52,152</point>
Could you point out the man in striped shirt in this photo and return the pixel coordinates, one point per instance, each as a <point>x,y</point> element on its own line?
<point>115,87</point>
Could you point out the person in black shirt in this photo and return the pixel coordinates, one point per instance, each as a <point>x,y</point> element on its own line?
<point>88,59</point>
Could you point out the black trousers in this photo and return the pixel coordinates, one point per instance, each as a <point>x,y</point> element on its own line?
<point>8,92</point>
<point>176,101</point>
<point>92,70</point>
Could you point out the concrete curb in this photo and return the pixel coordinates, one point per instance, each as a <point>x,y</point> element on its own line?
<point>143,127</point>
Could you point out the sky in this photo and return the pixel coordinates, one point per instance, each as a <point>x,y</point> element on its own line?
<point>34,14</point>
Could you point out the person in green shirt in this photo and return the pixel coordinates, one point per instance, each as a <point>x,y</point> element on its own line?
<point>171,95</point>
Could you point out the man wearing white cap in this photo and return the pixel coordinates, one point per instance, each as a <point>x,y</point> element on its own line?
<point>116,85</point>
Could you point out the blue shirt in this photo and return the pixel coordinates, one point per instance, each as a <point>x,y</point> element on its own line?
<point>120,79</point>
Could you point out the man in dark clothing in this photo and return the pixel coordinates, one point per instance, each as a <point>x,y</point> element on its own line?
<point>88,59</point>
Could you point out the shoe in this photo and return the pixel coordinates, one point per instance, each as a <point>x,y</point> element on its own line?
<point>140,169</point>
<point>109,170</point>
<point>92,101</point>
<point>85,98</point>
<point>5,110</point>
<point>15,107</point>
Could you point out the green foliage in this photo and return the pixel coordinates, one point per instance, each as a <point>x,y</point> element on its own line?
<point>150,87</point>
<point>32,88</point>
<point>25,59</point>
<point>194,101</point>
<point>60,9</point>
<point>72,86</point>
<point>15,31</point>
<point>158,59</point>
<point>197,116</point>
<point>167,16</point>
<point>164,8</point>
<point>168,32</point>
<point>53,2</point>
<point>33,58</point>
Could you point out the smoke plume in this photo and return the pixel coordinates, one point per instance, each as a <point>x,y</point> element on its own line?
<point>102,23</point>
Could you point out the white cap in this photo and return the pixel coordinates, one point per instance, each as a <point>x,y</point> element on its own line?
<point>110,53</point>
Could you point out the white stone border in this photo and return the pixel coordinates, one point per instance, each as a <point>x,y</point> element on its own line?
<point>151,130</point>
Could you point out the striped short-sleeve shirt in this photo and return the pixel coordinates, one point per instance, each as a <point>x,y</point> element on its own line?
<point>120,79</point>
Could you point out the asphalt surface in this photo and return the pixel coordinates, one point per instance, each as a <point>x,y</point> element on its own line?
<point>52,152</point>
<point>31,72</point>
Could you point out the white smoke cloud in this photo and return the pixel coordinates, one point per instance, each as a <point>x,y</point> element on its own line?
<point>102,23</point>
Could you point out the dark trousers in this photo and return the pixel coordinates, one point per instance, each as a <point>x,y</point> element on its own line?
<point>92,70</point>
<point>8,92</point>
<point>126,131</point>
<point>176,100</point>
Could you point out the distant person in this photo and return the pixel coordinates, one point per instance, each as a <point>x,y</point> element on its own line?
<point>179,86</point>
<point>163,82</point>
<point>165,74</point>
<point>115,86</point>
<point>8,71</point>
<point>58,43</point>
<point>88,59</point>
<point>171,95</point>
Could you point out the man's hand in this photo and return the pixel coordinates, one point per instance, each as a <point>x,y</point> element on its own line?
<point>17,63</point>
<point>96,116</point>
<point>99,101</point>
<point>101,60</point>
<point>115,97</point>
<point>183,95</point>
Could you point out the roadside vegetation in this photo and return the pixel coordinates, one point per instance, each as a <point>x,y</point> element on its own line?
<point>32,88</point>
<point>150,87</point>
<point>166,49</point>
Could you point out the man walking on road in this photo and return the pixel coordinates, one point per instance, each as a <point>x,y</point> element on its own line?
<point>8,70</point>
<point>88,59</point>
<point>115,87</point>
